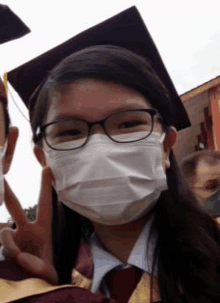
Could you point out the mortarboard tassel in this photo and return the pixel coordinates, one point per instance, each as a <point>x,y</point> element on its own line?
<point>5,81</point>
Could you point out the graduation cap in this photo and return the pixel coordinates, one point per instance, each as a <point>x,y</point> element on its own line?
<point>126,30</point>
<point>11,26</point>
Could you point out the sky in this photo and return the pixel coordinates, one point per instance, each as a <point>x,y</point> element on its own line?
<point>186,33</point>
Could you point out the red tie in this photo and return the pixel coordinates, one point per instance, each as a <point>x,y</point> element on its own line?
<point>121,284</point>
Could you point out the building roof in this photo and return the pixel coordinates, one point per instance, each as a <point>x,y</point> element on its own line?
<point>200,89</point>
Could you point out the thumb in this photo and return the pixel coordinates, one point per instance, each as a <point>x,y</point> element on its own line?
<point>37,267</point>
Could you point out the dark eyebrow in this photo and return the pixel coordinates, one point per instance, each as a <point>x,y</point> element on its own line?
<point>65,116</point>
<point>59,117</point>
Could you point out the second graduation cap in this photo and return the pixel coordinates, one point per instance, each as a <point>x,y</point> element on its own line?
<point>126,30</point>
<point>11,26</point>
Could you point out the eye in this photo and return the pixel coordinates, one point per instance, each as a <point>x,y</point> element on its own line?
<point>128,124</point>
<point>212,185</point>
<point>70,132</point>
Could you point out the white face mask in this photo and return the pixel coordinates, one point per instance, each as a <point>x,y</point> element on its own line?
<point>2,188</point>
<point>110,183</point>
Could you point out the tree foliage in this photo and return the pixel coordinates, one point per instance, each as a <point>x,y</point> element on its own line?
<point>30,212</point>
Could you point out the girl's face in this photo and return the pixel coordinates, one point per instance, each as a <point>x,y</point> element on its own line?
<point>94,100</point>
<point>207,180</point>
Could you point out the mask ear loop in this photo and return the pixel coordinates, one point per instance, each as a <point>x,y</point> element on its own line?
<point>5,148</point>
<point>163,135</point>
<point>162,138</point>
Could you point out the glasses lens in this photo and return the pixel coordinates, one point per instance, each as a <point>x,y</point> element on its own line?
<point>67,134</point>
<point>129,126</point>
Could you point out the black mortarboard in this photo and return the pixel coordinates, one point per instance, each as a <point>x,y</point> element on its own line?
<point>127,30</point>
<point>11,26</point>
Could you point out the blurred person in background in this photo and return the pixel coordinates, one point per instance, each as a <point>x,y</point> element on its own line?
<point>11,28</point>
<point>8,139</point>
<point>202,172</point>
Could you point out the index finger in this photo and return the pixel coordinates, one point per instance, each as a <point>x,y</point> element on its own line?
<point>44,209</point>
<point>13,206</point>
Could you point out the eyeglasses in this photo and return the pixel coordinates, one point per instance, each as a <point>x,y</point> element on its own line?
<point>122,127</point>
<point>205,193</point>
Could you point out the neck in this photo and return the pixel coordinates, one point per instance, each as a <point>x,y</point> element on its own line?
<point>119,240</point>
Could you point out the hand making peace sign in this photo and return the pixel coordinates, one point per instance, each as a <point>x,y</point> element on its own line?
<point>30,244</point>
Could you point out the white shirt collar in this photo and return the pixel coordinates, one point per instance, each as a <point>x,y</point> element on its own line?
<point>104,261</point>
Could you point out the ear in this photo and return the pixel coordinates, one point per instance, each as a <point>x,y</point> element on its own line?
<point>39,154</point>
<point>168,143</point>
<point>11,143</point>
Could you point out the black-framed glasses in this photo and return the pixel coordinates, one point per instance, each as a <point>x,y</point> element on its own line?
<point>122,127</point>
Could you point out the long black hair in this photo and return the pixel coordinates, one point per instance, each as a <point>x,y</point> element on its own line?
<point>188,242</point>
